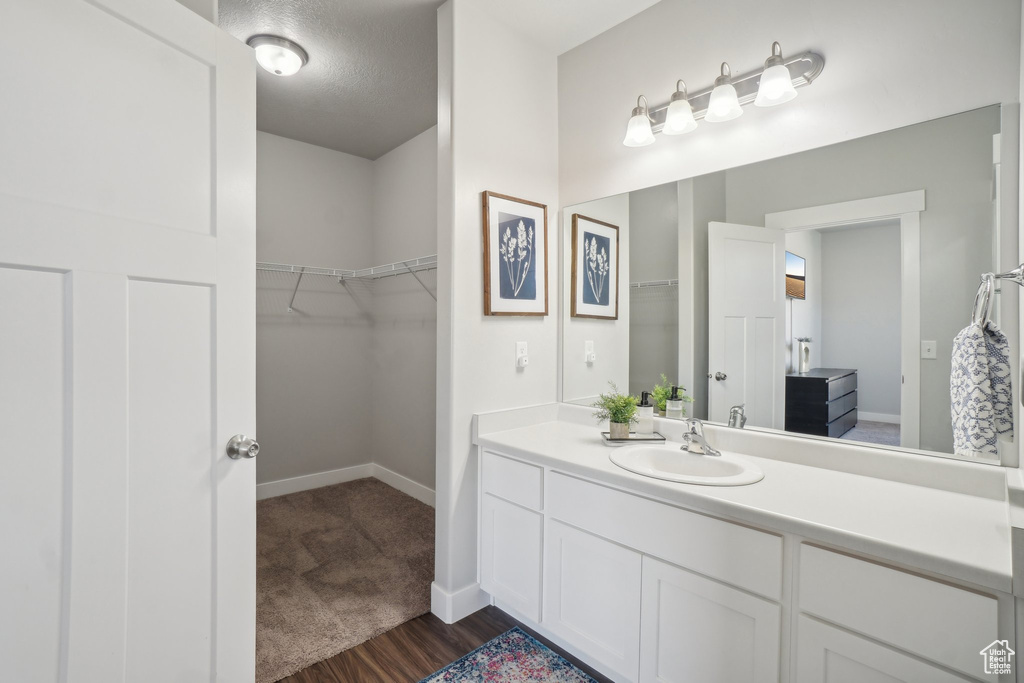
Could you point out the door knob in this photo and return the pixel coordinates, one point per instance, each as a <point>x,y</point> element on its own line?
<point>242,446</point>
<point>719,376</point>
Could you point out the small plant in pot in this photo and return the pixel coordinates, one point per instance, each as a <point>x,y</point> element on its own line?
<point>619,409</point>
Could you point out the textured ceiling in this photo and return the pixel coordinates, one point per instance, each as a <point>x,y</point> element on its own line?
<point>371,80</point>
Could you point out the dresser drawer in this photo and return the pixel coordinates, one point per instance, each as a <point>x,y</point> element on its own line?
<point>934,620</point>
<point>841,406</point>
<point>515,481</point>
<point>728,552</point>
<point>842,386</point>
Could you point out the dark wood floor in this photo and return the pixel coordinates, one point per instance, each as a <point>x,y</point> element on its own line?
<point>417,649</point>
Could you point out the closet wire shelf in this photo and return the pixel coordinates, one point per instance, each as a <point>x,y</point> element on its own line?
<point>653,283</point>
<point>343,275</point>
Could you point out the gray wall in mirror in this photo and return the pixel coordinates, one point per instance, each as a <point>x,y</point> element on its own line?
<point>852,310</point>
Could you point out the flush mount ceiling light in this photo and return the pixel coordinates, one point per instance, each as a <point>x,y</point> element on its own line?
<point>278,55</point>
<point>775,84</point>
<point>638,130</point>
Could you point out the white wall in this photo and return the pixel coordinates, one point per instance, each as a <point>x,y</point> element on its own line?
<point>653,311</point>
<point>497,93</point>
<point>803,316</point>
<point>581,383</point>
<point>880,73</point>
<point>313,406</point>
<point>404,338</point>
<point>207,9</point>
<point>860,312</point>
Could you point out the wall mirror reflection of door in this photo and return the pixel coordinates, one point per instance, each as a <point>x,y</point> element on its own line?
<point>894,231</point>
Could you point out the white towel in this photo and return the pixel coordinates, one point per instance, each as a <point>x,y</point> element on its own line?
<point>979,385</point>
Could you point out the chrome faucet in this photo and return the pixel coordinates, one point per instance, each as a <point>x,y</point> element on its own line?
<point>694,441</point>
<point>737,418</point>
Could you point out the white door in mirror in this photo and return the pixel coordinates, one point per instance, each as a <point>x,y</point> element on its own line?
<point>673,463</point>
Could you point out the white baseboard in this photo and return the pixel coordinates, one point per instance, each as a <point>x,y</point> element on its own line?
<point>395,480</point>
<point>878,417</point>
<point>451,607</point>
<point>281,487</point>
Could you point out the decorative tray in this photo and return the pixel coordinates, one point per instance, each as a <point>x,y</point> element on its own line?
<point>634,438</point>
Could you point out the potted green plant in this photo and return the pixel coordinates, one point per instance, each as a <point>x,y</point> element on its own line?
<point>661,393</point>
<point>619,409</point>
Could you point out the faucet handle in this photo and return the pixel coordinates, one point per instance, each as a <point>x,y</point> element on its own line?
<point>695,426</point>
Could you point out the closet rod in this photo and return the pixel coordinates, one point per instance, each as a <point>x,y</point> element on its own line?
<point>653,283</point>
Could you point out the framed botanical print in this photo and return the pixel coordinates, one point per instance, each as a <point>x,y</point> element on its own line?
<point>515,256</point>
<point>595,269</point>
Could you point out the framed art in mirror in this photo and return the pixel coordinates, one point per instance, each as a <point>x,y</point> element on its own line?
<point>515,256</point>
<point>595,269</point>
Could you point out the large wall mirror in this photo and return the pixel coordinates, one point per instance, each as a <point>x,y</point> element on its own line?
<point>847,269</point>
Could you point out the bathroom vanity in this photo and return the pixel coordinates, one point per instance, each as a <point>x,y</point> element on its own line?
<point>842,564</point>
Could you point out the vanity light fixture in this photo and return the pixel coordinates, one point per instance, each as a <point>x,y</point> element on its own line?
<point>725,103</point>
<point>278,55</point>
<point>679,117</point>
<point>773,84</point>
<point>638,130</point>
<point>776,86</point>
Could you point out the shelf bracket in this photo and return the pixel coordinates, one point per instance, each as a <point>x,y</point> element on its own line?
<point>422,284</point>
<point>296,290</point>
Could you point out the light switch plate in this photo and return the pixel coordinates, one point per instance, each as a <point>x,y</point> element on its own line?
<point>928,350</point>
<point>522,357</point>
<point>588,352</point>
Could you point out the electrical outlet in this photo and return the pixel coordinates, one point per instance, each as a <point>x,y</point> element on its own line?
<point>522,357</point>
<point>928,350</point>
<point>588,352</point>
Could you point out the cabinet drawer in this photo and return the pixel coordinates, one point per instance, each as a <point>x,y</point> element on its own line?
<point>515,481</point>
<point>842,386</point>
<point>728,552</point>
<point>842,405</point>
<point>935,620</point>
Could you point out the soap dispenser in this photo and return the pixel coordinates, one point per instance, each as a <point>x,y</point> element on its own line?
<point>645,415</point>
<point>674,404</point>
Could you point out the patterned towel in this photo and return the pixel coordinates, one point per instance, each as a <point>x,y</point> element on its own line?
<point>979,388</point>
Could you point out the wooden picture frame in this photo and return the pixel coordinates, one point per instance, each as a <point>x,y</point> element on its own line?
<point>594,284</point>
<point>515,234</point>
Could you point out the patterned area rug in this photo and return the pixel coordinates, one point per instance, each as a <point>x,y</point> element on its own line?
<point>512,657</point>
<point>336,566</point>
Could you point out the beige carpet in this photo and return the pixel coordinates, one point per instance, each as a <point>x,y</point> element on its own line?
<point>336,566</point>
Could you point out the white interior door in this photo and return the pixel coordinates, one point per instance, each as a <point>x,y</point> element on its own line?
<point>127,228</point>
<point>746,323</point>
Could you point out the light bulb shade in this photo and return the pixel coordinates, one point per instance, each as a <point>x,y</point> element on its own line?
<point>724,104</point>
<point>776,87</point>
<point>638,131</point>
<point>277,55</point>
<point>679,118</point>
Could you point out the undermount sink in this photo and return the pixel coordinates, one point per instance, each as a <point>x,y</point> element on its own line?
<point>673,464</point>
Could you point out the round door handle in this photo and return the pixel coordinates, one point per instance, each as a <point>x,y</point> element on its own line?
<point>719,376</point>
<point>242,446</point>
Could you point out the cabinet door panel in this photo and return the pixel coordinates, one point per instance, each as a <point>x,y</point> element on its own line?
<point>510,552</point>
<point>592,597</point>
<point>826,654</point>
<point>695,629</point>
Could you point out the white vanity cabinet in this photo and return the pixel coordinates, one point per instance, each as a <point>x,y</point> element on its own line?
<point>511,532</point>
<point>644,590</point>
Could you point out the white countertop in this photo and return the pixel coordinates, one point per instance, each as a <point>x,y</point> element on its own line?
<point>944,532</point>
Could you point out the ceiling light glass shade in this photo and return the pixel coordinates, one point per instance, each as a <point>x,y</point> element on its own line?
<point>679,118</point>
<point>776,84</point>
<point>638,131</point>
<point>725,103</point>
<point>277,55</point>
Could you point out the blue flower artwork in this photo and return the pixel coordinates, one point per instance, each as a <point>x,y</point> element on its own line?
<point>596,265</point>
<point>518,273</point>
